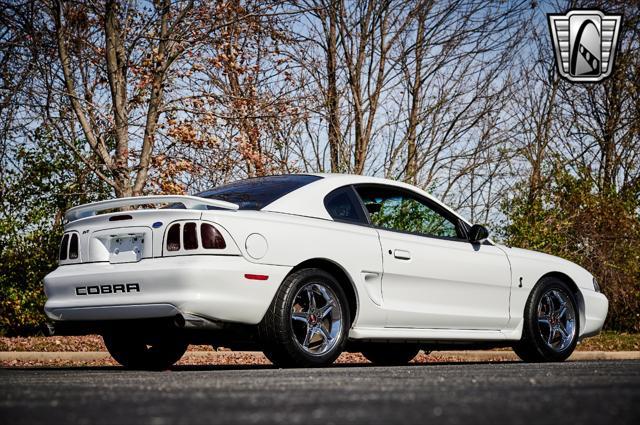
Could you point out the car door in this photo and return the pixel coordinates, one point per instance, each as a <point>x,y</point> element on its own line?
<point>433,276</point>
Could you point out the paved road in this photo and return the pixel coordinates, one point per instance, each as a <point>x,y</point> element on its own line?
<point>568,393</point>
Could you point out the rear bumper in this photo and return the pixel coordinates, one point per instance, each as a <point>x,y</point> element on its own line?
<point>596,308</point>
<point>212,287</point>
<point>109,312</point>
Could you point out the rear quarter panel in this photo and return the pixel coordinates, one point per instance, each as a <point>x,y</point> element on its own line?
<point>293,239</point>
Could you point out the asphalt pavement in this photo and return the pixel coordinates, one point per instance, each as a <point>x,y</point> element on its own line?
<point>598,392</point>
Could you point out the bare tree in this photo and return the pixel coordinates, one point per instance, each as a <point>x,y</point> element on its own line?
<point>126,80</point>
<point>151,48</point>
<point>447,125</point>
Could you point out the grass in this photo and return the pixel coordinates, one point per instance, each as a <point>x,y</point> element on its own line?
<point>611,341</point>
<point>606,341</point>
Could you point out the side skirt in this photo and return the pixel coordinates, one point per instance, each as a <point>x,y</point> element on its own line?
<point>420,335</point>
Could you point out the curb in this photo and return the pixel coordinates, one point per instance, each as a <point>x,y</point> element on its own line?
<point>468,356</point>
<point>479,355</point>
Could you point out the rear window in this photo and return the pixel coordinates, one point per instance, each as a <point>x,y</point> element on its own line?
<point>257,193</point>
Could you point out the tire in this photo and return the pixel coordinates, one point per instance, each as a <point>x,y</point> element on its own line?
<point>132,352</point>
<point>551,323</point>
<point>382,354</point>
<point>307,322</point>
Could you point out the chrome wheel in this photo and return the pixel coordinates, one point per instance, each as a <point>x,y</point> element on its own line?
<point>316,318</point>
<point>556,319</point>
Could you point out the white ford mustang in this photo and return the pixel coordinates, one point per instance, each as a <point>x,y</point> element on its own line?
<point>304,267</point>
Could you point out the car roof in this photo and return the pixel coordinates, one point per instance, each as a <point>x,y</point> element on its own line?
<point>309,199</point>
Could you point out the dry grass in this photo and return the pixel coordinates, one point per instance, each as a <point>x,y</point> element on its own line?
<point>213,360</point>
<point>607,341</point>
<point>611,341</point>
<point>64,343</point>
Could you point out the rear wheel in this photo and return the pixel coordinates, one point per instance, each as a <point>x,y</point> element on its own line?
<point>551,323</point>
<point>390,354</point>
<point>133,352</point>
<point>307,322</point>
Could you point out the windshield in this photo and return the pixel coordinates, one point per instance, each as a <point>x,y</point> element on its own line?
<point>256,193</point>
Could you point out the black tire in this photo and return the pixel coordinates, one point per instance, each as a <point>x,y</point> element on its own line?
<point>133,352</point>
<point>273,356</point>
<point>533,347</point>
<point>278,335</point>
<point>383,354</point>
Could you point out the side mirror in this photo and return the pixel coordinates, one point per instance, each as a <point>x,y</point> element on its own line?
<point>478,233</point>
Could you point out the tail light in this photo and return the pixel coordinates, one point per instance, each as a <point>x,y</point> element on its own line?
<point>210,237</point>
<point>173,238</point>
<point>64,247</point>
<point>73,247</point>
<point>190,237</point>
<point>69,247</point>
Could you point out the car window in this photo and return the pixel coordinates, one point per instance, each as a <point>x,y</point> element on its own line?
<point>257,193</point>
<point>396,209</point>
<point>343,205</point>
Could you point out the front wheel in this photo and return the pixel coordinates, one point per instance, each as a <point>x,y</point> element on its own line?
<point>133,352</point>
<point>551,323</point>
<point>307,322</point>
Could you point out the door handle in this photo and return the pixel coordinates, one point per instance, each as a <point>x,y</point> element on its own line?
<point>401,254</point>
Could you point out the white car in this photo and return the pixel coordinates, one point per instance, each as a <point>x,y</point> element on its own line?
<point>305,266</point>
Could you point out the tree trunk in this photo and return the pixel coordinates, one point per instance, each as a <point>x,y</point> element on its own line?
<point>333,100</point>
<point>416,90</point>
<point>116,62</point>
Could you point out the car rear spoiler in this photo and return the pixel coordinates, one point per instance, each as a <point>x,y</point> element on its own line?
<point>190,202</point>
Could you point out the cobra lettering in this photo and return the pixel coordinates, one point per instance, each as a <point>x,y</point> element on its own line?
<point>107,289</point>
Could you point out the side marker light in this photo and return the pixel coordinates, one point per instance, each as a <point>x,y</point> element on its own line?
<point>256,276</point>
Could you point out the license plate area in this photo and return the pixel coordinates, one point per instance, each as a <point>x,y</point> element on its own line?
<point>121,245</point>
<point>126,248</point>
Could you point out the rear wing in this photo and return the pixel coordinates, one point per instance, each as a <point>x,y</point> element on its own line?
<point>190,202</point>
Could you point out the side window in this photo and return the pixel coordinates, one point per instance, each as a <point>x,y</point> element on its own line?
<point>395,209</point>
<point>343,205</point>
